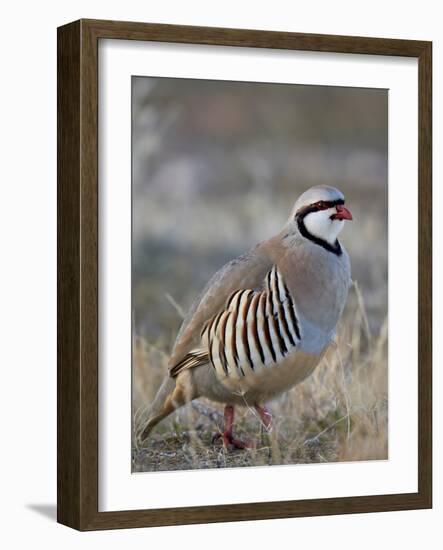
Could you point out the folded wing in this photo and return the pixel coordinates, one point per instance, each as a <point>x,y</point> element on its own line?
<point>253,329</point>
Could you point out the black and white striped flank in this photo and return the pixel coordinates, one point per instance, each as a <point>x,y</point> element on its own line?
<point>256,329</point>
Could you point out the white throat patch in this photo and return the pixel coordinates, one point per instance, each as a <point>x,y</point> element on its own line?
<point>320,225</point>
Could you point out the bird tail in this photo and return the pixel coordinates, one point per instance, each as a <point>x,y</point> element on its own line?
<point>161,407</point>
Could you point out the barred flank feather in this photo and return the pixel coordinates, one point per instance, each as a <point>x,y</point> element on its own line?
<point>256,329</point>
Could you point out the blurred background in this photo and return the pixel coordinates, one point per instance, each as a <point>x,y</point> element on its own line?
<point>217,167</point>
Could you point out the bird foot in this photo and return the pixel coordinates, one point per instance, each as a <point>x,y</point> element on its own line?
<point>230,442</point>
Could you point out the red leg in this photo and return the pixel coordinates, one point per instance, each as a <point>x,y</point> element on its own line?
<point>265,417</point>
<point>227,436</point>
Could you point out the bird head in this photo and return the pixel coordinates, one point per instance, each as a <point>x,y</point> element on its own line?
<point>319,215</point>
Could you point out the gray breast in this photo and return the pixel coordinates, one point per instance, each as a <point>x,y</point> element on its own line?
<point>319,283</point>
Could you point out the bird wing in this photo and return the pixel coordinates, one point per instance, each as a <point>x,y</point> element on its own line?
<point>246,272</point>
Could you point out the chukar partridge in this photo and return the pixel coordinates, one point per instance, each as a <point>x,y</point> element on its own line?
<point>264,320</point>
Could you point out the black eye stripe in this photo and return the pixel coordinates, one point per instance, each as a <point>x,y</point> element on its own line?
<point>317,206</point>
<point>324,205</point>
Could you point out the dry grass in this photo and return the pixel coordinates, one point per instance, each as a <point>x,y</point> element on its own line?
<point>340,413</point>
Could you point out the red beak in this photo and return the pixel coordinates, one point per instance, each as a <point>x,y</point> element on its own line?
<point>342,213</point>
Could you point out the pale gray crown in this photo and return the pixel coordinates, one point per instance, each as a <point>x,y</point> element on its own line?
<point>318,193</point>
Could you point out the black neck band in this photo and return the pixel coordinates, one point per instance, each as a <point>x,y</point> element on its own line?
<point>334,248</point>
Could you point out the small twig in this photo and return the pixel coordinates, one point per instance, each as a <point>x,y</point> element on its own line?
<point>254,412</point>
<point>364,315</point>
<point>175,305</point>
<point>316,437</point>
<point>345,392</point>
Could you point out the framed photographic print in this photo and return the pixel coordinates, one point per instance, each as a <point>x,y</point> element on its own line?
<point>244,275</point>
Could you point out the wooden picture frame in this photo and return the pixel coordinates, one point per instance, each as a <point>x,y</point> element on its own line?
<point>77,457</point>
